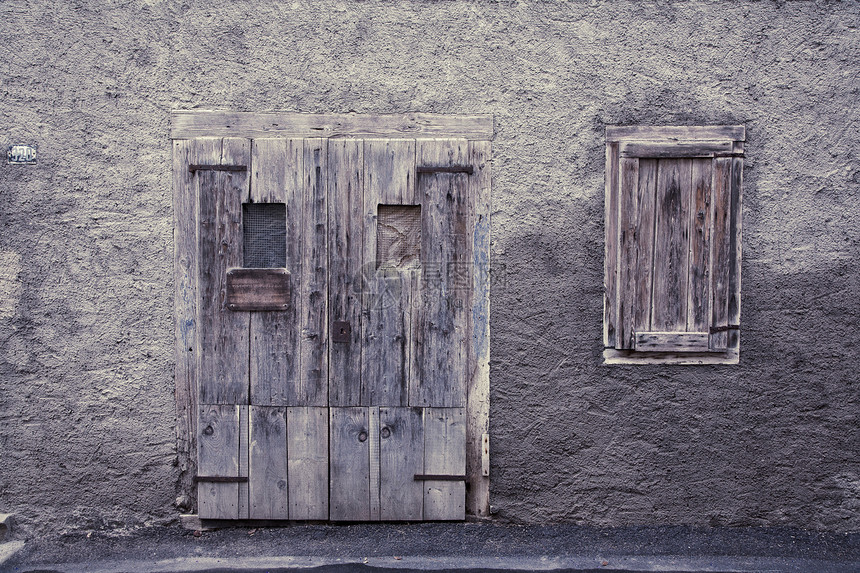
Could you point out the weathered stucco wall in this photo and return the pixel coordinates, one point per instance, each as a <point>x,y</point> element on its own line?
<point>86,349</point>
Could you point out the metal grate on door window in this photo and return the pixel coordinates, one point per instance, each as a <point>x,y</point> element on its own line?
<point>264,232</point>
<point>398,236</point>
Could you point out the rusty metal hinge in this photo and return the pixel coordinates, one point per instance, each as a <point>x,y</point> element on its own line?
<point>446,169</point>
<point>715,329</point>
<point>438,477</point>
<point>220,479</point>
<point>197,167</point>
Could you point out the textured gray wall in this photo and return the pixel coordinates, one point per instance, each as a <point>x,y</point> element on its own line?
<point>86,347</point>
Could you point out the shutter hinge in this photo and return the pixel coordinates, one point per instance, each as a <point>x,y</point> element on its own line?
<point>221,479</point>
<point>715,329</point>
<point>446,169</point>
<point>196,167</point>
<point>438,477</point>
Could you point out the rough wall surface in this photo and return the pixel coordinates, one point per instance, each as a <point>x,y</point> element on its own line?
<point>86,350</point>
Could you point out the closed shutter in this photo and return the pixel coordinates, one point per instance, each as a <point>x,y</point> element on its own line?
<point>673,241</point>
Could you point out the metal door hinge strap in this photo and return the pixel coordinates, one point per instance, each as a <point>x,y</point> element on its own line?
<point>724,328</point>
<point>195,167</point>
<point>221,479</point>
<point>446,169</point>
<point>438,477</point>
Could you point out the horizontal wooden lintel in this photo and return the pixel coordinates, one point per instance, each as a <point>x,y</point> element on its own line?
<point>675,133</point>
<point>187,124</point>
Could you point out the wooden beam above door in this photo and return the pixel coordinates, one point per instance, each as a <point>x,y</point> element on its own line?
<point>187,124</point>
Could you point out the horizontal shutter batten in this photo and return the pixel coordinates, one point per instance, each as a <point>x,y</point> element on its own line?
<point>671,341</point>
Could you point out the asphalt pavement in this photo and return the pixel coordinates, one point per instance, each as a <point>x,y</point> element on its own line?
<point>421,547</point>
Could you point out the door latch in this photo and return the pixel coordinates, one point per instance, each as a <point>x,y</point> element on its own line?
<point>341,331</point>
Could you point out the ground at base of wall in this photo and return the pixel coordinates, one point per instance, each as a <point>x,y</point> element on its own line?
<point>442,546</point>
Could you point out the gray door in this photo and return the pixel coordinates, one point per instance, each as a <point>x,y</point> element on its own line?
<point>342,286</point>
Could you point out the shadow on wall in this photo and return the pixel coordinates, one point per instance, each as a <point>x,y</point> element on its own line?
<point>765,442</point>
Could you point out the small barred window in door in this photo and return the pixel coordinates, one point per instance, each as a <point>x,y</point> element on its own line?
<point>264,233</point>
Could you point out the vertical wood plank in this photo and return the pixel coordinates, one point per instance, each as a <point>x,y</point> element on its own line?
<point>698,307</point>
<point>208,152</point>
<point>267,477</point>
<point>610,236</point>
<point>349,491</point>
<point>218,455</point>
<point>401,456</point>
<point>389,171</point>
<point>720,250</point>
<point>274,337</point>
<point>244,433</point>
<point>314,240</point>
<point>735,248</point>
<point>373,452</point>
<point>440,331</point>
<point>307,462</point>
<point>643,244</point>
<point>478,384</point>
<point>185,309</point>
<point>223,335</point>
<point>626,286</point>
<point>346,237</point>
<point>671,245</point>
<point>444,454</point>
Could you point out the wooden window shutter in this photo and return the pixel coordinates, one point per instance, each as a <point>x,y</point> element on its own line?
<point>673,223</point>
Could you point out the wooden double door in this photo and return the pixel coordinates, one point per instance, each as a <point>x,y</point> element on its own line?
<point>341,303</point>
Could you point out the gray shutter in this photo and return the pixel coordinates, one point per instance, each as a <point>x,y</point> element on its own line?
<point>673,229</point>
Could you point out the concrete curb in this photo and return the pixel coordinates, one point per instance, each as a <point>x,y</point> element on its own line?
<point>297,564</point>
<point>9,550</point>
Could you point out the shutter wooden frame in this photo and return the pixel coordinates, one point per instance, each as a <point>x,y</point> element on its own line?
<point>715,153</point>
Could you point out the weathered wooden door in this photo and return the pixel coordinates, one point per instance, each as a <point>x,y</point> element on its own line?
<point>341,294</point>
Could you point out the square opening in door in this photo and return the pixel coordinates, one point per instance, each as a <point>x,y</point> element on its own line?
<point>264,232</point>
<point>398,236</point>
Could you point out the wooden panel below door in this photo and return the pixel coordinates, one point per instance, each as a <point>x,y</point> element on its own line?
<point>267,478</point>
<point>218,453</point>
<point>350,464</point>
<point>444,454</point>
<point>401,457</point>
<point>373,451</point>
<point>307,461</point>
